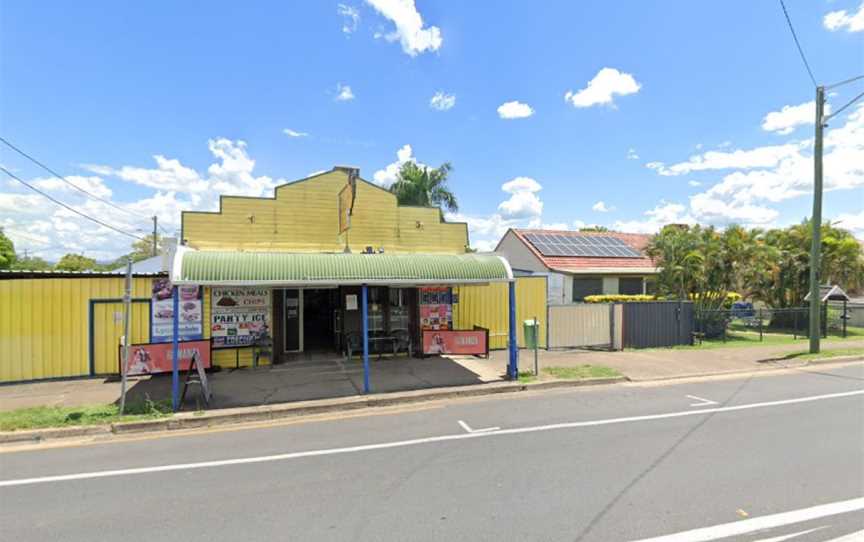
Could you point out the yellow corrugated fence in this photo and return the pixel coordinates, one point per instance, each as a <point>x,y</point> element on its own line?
<point>487,306</point>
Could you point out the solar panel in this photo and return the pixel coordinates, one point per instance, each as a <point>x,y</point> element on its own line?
<point>598,246</point>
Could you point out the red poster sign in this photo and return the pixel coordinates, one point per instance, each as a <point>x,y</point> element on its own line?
<point>455,342</point>
<point>145,359</point>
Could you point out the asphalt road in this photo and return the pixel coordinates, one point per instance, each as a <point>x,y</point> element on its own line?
<point>768,458</point>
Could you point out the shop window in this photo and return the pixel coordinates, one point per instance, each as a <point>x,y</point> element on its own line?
<point>376,309</point>
<point>585,286</point>
<point>630,286</point>
<point>400,318</point>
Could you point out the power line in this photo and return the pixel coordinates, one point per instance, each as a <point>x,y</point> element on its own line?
<point>74,210</point>
<point>841,83</point>
<point>64,179</point>
<point>798,44</point>
<point>850,102</point>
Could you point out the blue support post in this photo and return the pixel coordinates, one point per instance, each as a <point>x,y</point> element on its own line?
<point>365,309</point>
<point>175,352</point>
<point>513,365</point>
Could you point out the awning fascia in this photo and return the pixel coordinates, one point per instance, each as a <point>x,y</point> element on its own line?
<point>182,251</point>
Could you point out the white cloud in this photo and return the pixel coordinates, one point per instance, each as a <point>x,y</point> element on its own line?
<point>631,154</point>
<point>409,26</point>
<point>601,207</point>
<point>790,117</point>
<point>387,176</point>
<point>350,16</point>
<point>514,110</point>
<point>664,213</point>
<point>294,133</point>
<point>442,101</point>
<point>343,93</point>
<point>602,89</point>
<point>172,186</point>
<point>763,176</point>
<point>694,183</point>
<point>768,156</point>
<point>523,201</point>
<point>839,20</point>
<point>93,185</point>
<point>852,222</point>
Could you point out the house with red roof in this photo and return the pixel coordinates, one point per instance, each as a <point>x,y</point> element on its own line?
<point>581,263</point>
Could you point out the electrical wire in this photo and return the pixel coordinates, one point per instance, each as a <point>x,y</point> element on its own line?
<point>64,179</point>
<point>852,101</point>
<point>841,83</point>
<point>74,210</point>
<point>21,234</point>
<point>798,44</point>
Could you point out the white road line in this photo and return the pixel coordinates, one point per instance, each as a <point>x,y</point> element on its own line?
<point>736,528</point>
<point>468,429</point>
<point>415,442</point>
<point>703,401</point>
<point>857,536</point>
<point>789,536</point>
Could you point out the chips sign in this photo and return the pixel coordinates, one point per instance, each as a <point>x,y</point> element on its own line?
<point>241,316</point>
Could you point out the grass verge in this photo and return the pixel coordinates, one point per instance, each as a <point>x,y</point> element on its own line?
<point>805,356</point>
<point>57,416</point>
<point>578,372</point>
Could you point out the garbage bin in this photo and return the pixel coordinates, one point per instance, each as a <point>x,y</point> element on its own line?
<point>530,331</point>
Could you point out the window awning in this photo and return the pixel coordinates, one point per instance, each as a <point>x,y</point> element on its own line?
<point>298,269</point>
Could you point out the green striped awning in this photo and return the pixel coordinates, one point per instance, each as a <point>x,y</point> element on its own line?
<point>295,269</point>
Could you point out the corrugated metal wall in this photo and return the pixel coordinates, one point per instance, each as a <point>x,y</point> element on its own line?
<point>108,329</point>
<point>44,324</point>
<point>585,324</point>
<point>658,323</point>
<point>487,306</point>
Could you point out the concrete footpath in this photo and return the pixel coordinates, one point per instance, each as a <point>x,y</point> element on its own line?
<point>258,402</point>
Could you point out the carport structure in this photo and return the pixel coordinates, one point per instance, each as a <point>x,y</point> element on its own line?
<point>342,272</point>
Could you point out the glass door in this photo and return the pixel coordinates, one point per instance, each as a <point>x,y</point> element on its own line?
<point>293,320</point>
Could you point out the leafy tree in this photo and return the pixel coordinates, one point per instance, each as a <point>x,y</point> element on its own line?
<point>76,262</point>
<point>32,263</point>
<point>143,249</point>
<point>7,251</point>
<point>420,185</point>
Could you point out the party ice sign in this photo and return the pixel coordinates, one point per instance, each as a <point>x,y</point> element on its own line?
<point>241,316</point>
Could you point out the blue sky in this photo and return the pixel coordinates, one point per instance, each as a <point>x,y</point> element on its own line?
<point>553,114</point>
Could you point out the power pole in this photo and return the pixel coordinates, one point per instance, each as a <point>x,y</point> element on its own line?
<point>816,223</point>
<point>155,224</point>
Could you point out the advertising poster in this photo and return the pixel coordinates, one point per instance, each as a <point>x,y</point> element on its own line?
<point>455,342</point>
<point>155,358</point>
<point>436,311</point>
<point>162,312</point>
<point>241,316</point>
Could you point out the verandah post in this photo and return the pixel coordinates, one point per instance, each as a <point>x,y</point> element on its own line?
<point>364,302</point>
<point>175,351</point>
<point>513,365</point>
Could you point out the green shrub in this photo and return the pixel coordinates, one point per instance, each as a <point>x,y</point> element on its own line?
<point>618,298</point>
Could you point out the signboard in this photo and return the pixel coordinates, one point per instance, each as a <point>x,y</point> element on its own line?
<point>162,312</point>
<point>455,342</point>
<point>346,199</point>
<point>241,316</point>
<point>155,358</point>
<point>436,311</point>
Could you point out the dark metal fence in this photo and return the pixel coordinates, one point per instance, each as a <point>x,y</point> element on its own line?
<point>658,323</point>
<point>795,321</point>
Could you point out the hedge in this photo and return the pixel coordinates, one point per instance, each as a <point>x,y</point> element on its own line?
<point>618,298</point>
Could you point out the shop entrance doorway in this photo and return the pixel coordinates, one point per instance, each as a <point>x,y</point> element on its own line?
<point>319,308</point>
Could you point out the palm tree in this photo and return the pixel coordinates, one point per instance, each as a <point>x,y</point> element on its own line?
<point>420,185</point>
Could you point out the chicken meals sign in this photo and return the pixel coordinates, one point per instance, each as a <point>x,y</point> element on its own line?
<point>240,316</point>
